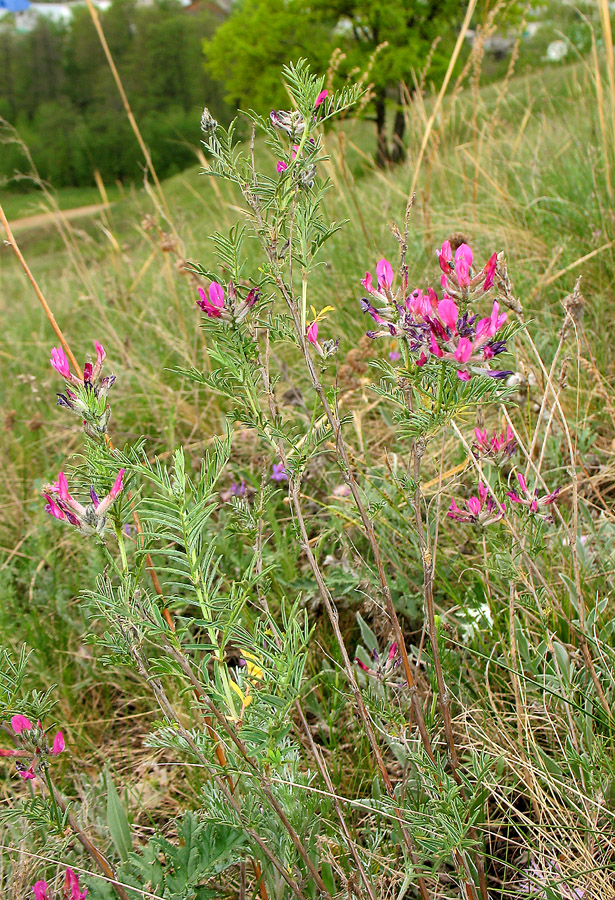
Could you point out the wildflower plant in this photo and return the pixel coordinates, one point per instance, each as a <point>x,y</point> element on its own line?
<point>194,601</point>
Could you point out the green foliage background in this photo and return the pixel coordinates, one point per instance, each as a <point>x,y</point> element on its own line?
<point>59,93</point>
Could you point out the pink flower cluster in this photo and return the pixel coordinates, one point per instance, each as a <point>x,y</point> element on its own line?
<point>91,371</point>
<point>457,280</point>
<point>482,510</point>
<point>496,449</point>
<point>282,165</point>
<point>441,328</point>
<point>34,745</point>
<point>531,500</point>
<point>214,305</point>
<point>383,671</point>
<point>86,397</point>
<point>293,124</point>
<point>71,890</point>
<point>90,519</point>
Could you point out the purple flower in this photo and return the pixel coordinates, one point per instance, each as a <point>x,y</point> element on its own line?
<point>321,97</point>
<point>279,472</point>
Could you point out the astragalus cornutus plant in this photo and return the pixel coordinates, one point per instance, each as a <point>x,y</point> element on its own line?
<point>313,767</point>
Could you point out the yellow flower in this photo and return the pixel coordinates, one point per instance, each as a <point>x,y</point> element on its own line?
<point>318,317</point>
<point>253,667</point>
<point>245,699</point>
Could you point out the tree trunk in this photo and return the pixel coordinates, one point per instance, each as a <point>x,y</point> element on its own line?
<point>382,153</point>
<point>398,149</point>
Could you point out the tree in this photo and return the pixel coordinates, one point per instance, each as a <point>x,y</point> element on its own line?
<point>260,35</point>
<point>57,89</point>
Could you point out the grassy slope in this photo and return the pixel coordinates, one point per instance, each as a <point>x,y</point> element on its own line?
<point>510,172</point>
<point>516,181</point>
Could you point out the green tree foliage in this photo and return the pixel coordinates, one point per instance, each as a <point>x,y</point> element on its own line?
<point>249,47</point>
<point>57,90</point>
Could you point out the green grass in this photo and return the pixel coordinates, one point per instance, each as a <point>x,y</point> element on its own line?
<point>19,204</point>
<point>519,181</point>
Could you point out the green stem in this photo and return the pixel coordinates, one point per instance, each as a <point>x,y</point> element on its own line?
<point>122,548</point>
<point>440,387</point>
<point>52,794</point>
<point>304,287</point>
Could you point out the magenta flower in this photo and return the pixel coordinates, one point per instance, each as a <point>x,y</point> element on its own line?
<point>89,519</point>
<point>216,307</point>
<point>312,333</point>
<point>461,340</point>
<point>384,671</point>
<point>489,271</point>
<point>71,886</point>
<point>531,500</point>
<point>59,362</point>
<point>394,355</point>
<point>91,371</point>
<point>448,313</point>
<point>367,283</point>
<point>435,327</point>
<point>457,278</point>
<point>321,97</point>
<point>422,305</point>
<point>445,256</point>
<point>35,745</point>
<point>463,351</point>
<point>327,348</point>
<point>213,305</point>
<point>481,510</point>
<point>71,889</point>
<point>282,165</point>
<point>496,449</point>
<point>41,891</point>
<point>20,723</point>
<point>384,276</point>
<point>384,273</point>
<point>86,397</point>
<point>463,260</point>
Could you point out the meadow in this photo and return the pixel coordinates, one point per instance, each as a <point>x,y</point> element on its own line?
<point>524,166</point>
